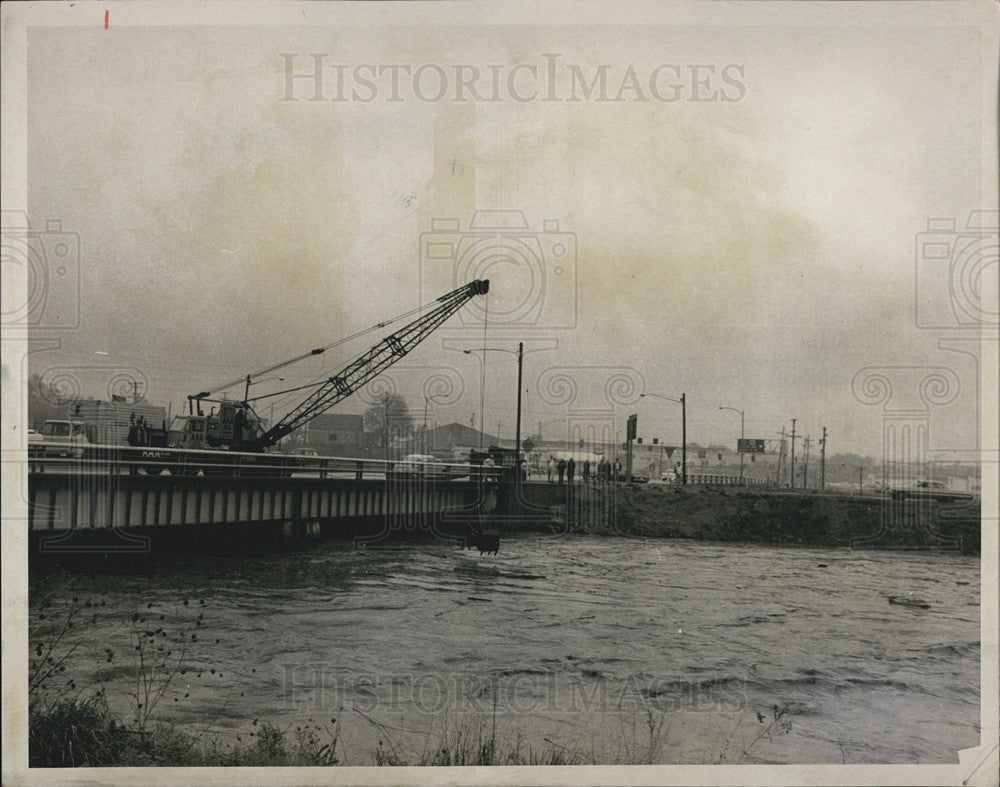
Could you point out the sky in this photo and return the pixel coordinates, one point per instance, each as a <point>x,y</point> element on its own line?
<point>736,214</point>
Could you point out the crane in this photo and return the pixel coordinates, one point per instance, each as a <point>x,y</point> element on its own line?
<point>237,427</point>
<point>379,358</point>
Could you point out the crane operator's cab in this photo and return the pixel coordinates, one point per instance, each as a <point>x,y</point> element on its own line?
<point>233,426</point>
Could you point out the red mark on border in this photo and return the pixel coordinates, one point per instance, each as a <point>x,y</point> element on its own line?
<point>106,20</point>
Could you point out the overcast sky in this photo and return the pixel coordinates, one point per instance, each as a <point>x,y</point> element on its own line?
<point>733,215</point>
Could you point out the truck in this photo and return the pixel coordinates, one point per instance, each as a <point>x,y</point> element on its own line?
<point>109,422</point>
<point>59,438</point>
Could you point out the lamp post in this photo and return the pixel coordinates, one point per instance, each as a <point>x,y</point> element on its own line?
<point>520,376</point>
<point>683,403</point>
<point>742,435</point>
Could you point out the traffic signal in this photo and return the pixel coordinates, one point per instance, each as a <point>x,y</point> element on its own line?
<point>631,429</point>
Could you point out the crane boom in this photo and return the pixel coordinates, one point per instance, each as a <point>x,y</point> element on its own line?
<point>371,364</point>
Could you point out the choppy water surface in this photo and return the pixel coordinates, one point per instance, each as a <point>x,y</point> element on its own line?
<point>619,650</point>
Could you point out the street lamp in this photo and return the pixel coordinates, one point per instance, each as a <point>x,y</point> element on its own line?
<point>520,370</point>
<point>742,435</point>
<point>683,403</point>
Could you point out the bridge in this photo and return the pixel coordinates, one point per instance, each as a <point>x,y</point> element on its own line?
<point>122,493</point>
<point>120,499</point>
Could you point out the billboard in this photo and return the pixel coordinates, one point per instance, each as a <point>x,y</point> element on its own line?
<point>748,446</point>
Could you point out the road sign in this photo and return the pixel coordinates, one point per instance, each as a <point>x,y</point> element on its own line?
<point>748,446</point>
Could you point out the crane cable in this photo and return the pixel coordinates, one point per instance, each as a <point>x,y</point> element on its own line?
<point>311,353</point>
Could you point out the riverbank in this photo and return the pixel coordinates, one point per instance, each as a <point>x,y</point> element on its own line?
<point>766,516</point>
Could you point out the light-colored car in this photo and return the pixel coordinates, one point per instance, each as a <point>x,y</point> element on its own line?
<point>931,490</point>
<point>418,465</point>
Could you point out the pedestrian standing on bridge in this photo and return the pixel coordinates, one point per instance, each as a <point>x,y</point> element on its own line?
<point>561,467</point>
<point>586,470</point>
<point>570,470</point>
<point>551,467</point>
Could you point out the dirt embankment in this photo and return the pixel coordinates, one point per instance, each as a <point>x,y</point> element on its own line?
<point>762,516</point>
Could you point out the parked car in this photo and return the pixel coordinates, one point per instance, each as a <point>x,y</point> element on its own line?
<point>931,490</point>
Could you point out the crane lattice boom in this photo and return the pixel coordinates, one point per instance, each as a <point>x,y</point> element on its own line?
<point>371,364</point>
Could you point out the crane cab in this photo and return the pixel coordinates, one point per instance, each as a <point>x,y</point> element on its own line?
<point>232,427</point>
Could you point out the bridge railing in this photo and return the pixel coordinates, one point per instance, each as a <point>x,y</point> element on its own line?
<point>726,480</point>
<point>120,459</point>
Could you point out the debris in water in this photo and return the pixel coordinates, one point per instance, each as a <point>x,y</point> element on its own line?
<point>909,602</point>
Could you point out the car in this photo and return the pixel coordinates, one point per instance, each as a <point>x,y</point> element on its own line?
<point>417,466</point>
<point>636,478</point>
<point>931,490</point>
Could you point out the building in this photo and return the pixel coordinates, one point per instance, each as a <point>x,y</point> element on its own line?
<point>336,434</point>
<point>455,440</point>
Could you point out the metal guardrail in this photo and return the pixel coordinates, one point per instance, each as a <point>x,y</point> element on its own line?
<point>119,459</point>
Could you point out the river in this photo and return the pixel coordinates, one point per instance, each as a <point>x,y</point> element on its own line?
<point>616,650</point>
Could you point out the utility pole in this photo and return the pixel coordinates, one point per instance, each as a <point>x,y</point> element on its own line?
<point>805,463</point>
<point>386,424</point>
<point>781,456</point>
<point>517,435</point>
<point>822,462</point>
<point>631,430</point>
<point>684,440</point>
<point>791,477</point>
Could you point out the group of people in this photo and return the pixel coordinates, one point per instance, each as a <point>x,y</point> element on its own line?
<point>138,434</point>
<point>563,471</point>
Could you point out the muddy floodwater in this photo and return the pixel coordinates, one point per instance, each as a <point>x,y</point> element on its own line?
<point>620,650</point>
